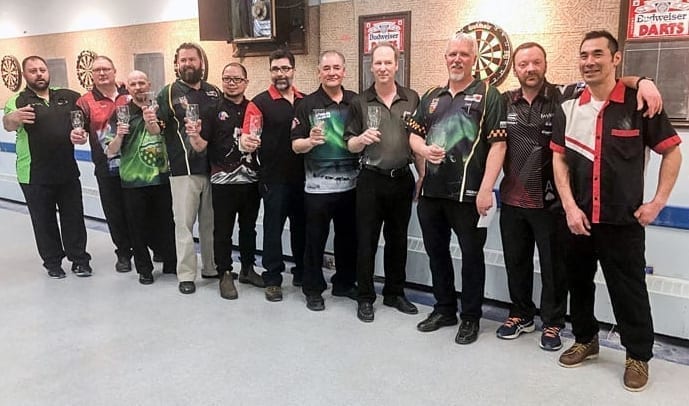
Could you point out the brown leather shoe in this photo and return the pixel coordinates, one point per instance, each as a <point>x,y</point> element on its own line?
<point>578,353</point>
<point>227,288</point>
<point>635,375</point>
<point>273,293</point>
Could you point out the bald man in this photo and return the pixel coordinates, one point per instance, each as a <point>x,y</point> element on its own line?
<point>144,173</point>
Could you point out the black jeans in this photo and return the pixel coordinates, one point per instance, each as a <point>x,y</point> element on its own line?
<point>41,201</point>
<point>438,217</point>
<point>230,201</point>
<point>520,228</point>
<point>280,202</point>
<point>149,214</point>
<point>620,250</point>
<point>320,210</point>
<point>112,201</point>
<point>382,202</point>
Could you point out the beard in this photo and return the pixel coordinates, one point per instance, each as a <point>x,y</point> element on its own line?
<point>191,75</point>
<point>282,83</point>
<point>456,77</point>
<point>40,86</point>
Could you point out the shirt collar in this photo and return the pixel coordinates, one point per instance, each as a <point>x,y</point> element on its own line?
<point>275,93</point>
<point>371,94</point>
<point>617,94</point>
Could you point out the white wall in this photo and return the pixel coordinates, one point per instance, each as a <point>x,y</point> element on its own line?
<point>18,19</point>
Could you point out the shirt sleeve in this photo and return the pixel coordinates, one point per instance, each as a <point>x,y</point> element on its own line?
<point>252,110</point>
<point>494,123</point>
<point>354,125</point>
<point>301,126</point>
<point>659,134</point>
<point>557,142</point>
<point>418,123</point>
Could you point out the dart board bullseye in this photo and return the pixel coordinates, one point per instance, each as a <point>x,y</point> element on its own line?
<point>494,51</point>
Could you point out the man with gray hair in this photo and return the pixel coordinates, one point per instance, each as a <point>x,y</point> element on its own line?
<point>457,130</point>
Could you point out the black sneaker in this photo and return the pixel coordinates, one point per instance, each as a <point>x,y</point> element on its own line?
<point>82,270</point>
<point>56,273</point>
<point>550,339</point>
<point>468,332</point>
<point>514,326</point>
<point>315,303</point>
<point>187,287</point>
<point>146,278</point>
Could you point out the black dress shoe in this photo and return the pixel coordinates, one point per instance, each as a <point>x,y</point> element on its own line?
<point>56,273</point>
<point>435,321</point>
<point>365,312</point>
<point>82,270</point>
<point>468,332</point>
<point>146,278</point>
<point>214,276</point>
<point>187,287</point>
<point>315,303</point>
<point>123,264</point>
<point>400,303</point>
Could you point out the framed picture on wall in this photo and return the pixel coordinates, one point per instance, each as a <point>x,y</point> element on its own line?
<point>394,28</point>
<point>252,20</point>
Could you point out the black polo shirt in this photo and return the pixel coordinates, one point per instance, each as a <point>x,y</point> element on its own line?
<point>45,154</point>
<point>279,164</point>
<point>172,102</point>
<point>604,147</point>
<point>228,164</point>
<point>393,151</point>
<point>465,125</point>
<point>330,167</point>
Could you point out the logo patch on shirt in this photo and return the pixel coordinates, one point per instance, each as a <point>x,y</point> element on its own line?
<point>295,123</point>
<point>212,93</point>
<point>433,105</point>
<point>183,101</point>
<point>473,98</point>
<point>222,116</point>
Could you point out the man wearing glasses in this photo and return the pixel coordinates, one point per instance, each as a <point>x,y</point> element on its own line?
<point>267,124</point>
<point>234,182</point>
<point>99,106</point>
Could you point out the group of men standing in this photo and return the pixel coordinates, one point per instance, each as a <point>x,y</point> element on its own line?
<point>573,162</point>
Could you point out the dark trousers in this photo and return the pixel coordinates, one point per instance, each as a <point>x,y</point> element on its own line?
<point>69,238</point>
<point>149,214</point>
<point>520,228</point>
<point>321,209</point>
<point>230,202</point>
<point>112,201</point>
<point>280,202</point>
<point>438,217</point>
<point>384,202</point>
<point>620,250</point>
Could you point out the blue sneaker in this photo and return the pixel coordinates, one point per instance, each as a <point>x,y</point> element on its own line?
<point>514,326</point>
<point>550,338</point>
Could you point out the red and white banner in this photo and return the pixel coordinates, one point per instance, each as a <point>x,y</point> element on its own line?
<point>391,31</point>
<point>658,19</point>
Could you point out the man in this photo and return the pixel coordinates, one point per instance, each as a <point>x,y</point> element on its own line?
<point>189,181</point>
<point>457,130</point>
<point>46,170</point>
<point>599,143</point>
<point>234,181</point>
<point>99,106</point>
<point>282,171</point>
<point>385,187</point>
<point>530,207</point>
<point>330,171</point>
<point>144,173</point>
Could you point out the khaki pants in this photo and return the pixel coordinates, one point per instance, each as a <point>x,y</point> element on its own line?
<point>191,196</point>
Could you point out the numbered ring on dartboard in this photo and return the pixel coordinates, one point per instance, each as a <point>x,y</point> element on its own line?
<point>494,51</point>
<point>11,73</point>
<point>84,68</point>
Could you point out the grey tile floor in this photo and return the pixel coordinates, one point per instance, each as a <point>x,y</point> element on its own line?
<point>106,340</point>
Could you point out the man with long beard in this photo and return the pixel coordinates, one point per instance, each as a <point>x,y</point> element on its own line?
<point>189,180</point>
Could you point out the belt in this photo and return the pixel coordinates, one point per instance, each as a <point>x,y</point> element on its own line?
<point>390,173</point>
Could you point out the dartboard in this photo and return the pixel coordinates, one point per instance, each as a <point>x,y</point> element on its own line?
<point>11,73</point>
<point>84,65</point>
<point>494,51</point>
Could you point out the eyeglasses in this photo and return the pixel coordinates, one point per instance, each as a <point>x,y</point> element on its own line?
<point>102,70</point>
<point>281,69</point>
<point>228,79</point>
